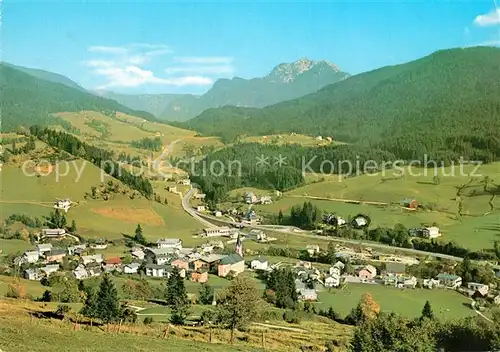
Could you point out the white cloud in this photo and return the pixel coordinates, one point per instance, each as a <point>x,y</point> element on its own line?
<point>204,59</point>
<point>215,70</point>
<point>115,50</point>
<point>126,66</point>
<point>492,18</point>
<point>133,76</point>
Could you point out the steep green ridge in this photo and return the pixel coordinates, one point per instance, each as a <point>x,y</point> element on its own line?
<point>155,104</point>
<point>449,100</point>
<point>27,100</point>
<point>47,76</point>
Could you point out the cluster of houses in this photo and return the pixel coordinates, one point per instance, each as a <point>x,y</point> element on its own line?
<point>157,261</point>
<point>425,232</point>
<point>251,198</point>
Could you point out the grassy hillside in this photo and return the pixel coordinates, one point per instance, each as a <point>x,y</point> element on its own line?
<point>448,101</point>
<point>28,100</point>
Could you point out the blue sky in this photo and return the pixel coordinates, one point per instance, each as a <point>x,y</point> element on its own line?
<point>183,47</point>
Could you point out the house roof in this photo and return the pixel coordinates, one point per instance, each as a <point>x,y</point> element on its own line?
<point>171,241</point>
<point>212,258</point>
<point>446,276</point>
<point>371,269</point>
<point>113,261</point>
<point>44,246</point>
<point>396,268</point>
<point>57,251</point>
<point>32,271</point>
<point>261,259</point>
<point>162,251</point>
<point>27,253</point>
<point>133,265</point>
<point>339,265</point>
<point>230,259</point>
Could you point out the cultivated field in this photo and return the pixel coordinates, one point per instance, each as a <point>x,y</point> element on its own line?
<point>408,302</point>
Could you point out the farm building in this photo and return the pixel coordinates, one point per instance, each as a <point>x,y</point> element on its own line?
<point>409,203</point>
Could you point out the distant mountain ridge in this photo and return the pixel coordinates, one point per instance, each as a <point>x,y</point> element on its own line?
<point>46,76</point>
<point>449,100</point>
<point>27,99</point>
<point>286,81</point>
<point>155,104</point>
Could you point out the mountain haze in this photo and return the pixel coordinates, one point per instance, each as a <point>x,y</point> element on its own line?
<point>284,82</point>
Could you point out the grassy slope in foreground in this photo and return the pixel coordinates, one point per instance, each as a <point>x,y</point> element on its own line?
<point>94,218</point>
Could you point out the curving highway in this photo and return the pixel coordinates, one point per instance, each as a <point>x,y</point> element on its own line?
<point>205,220</point>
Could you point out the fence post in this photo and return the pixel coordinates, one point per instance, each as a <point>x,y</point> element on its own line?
<point>263,340</point>
<point>120,325</point>
<point>167,331</point>
<point>211,335</point>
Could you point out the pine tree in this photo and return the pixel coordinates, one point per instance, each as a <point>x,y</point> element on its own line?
<point>176,297</point>
<point>280,217</point>
<point>89,309</point>
<point>108,306</point>
<point>72,228</point>
<point>139,237</point>
<point>206,295</point>
<point>427,311</point>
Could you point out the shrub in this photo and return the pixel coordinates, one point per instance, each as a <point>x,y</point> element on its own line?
<point>291,316</point>
<point>147,320</point>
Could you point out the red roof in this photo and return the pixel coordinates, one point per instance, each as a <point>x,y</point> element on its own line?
<point>113,261</point>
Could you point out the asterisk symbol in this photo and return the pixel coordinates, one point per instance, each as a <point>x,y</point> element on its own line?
<point>262,160</point>
<point>280,160</point>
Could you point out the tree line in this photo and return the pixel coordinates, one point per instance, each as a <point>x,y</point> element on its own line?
<point>99,157</point>
<point>153,144</point>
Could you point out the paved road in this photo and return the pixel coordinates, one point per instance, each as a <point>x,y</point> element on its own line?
<point>205,219</point>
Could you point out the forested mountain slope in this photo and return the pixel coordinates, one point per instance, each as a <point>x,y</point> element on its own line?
<point>27,100</point>
<point>447,103</point>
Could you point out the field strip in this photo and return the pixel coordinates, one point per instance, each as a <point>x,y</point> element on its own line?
<point>42,204</point>
<point>340,200</point>
<point>279,327</point>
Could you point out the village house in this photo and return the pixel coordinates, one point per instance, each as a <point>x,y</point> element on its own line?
<point>257,235</point>
<point>206,248</point>
<point>332,281</point>
<point>308,294</point>
<point>174,243</point>
<point>112,264</point>
<point>131,268</point>
<point>339,265</point>
<point>449,280</point>
<point>55,255</point>
<point>335,271</point>
<point>77,249</point>
<point>304,264</point>
<point>32,274</point>
<point>93,269</point>
<point>265,200</point>
<point>216,231</point>
<point>409,203</point>
<point>200,196</point>
<point>172,189</point>
<point>367,273</point>
<point>31,257</point>
<point>407,282</point>
<point>95,258</point>
<point>50,269</point>
<point>360,221</point>
<point>312,249</point>
<point>160,256</point>
<point>43,248</point>
<point>156,270</point>
<point>251,218</point>
<point>207,262</point>
<point>200,208</point>
<point>53,232</point>
<point>63,204</point>
<point>478,288</point>
<point>200,277</point>
<point>185,182</point>
<point>100,244</point>
<point>259,263</point>
<point>80,272</point>
<point>217,213</point>
<point>430,283</point>
<point>431,232</point>
<point>231,263</point>
<point>137,253</point>
<point>250,198</point>
<point>180,263</point>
